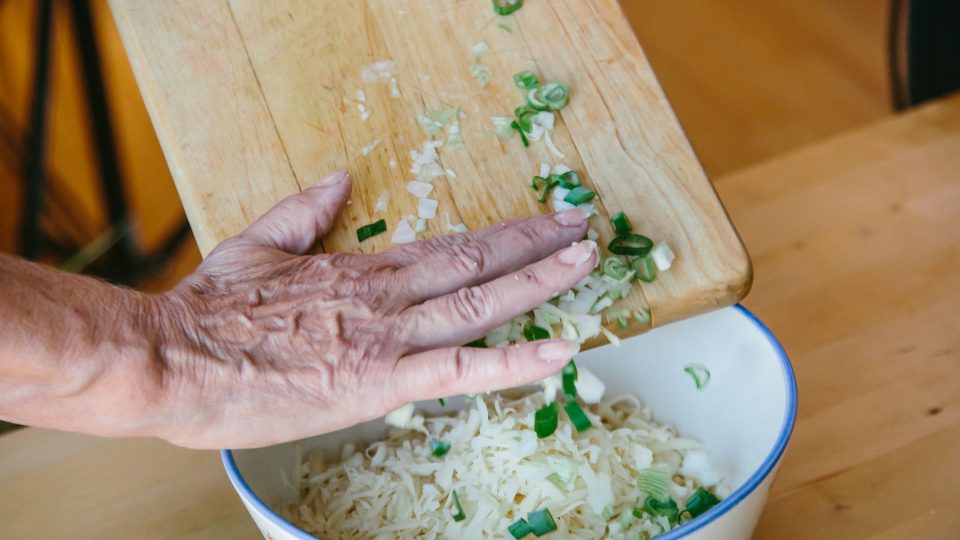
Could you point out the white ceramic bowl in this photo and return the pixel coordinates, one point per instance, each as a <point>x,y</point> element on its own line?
<point>744,415</point>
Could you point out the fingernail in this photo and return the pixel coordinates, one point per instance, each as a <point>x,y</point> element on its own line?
<point>573,216</point>
<point>557,351</point>
<point>578,253</point>
<point>335,178</point>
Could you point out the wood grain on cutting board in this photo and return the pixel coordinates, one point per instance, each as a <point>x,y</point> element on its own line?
<point>253,101</point>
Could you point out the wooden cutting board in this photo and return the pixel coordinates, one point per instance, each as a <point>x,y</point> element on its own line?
<point>253,101</point>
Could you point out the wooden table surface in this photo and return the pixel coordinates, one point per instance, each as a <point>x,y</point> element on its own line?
<point>856,246</point>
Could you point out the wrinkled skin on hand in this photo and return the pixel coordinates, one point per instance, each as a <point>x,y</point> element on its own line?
<point>267,344</point>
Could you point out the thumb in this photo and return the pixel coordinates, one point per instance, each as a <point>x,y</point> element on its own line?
<point>470,370</point>
<point>295,223</point>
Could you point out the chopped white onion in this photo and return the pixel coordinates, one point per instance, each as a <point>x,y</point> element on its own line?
<point>360,95</point>
<point>382,200</point>
<point>589,388</point>
<point>400,418</point>
<point>379,71</point>
<point>394,89</point>
<point>560,168</point>
<point>427,208</point>
<point>479,49</point>
<point>662,256</point>
<point>421,226</point>
<point>369,148</point>
<point>404,234</point>
<point>552,147</point>
<point>419,189</point>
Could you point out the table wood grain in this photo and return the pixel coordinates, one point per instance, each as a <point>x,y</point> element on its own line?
<point>253,101</point>
<point>857,250</point>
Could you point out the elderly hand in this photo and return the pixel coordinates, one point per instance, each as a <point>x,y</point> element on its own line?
<point>265,344</point>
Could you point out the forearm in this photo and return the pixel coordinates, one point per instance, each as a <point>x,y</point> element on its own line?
<point>78,354</point>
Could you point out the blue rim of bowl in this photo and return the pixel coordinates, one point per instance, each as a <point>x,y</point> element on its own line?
<point>715,513</point>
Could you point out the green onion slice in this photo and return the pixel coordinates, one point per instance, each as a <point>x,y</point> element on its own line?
<point>631,244</point>
<point>523,136</point>
<point>534,102</point>
<point>569,378</point>
<point>577,416</point>
<point>506,7</point>
<point>533,332</point>
<point>621,224</point>
<point>570,177</point>
<point>439,447</point>
<point>442,401</point>
<point>580,195</point>
<point>552,95</point>
<point>479,343</point>
<point>541,522</point>
<point>526,79</point>
<point>519,528</point>
<point>642,316</point>
<point>545,420</point>
<point>615,267</point>
<point>645,268</point>
<point>699,373</point>
<point>701,501</point>
<point>459,516</point>
<point>525,117</point>
<point>371,230</point>
<point>657,507</point>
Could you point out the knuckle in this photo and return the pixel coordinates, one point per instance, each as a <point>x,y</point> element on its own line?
<point>460,366</point>
<point>473,303</point>
<point>468,257</point>
<point>531,277</point>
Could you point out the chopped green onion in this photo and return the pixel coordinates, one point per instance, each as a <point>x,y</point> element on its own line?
<point>533,332</point>
<point>442,401</point>
<point>523,136</point>
<point>642,315</point>
<point>519,528</point>
<point>622,323</point>
<point>570,177</point>
<point>371,230</point>
<point>569,378</point>
<point>699,373</point>
<point>545,420</point>
<point>459,516</point>
<point>534,102</point>
<point>478,343</point>
<point>525,117</point>
<point>506,7</point>
<point>541,522</point>
<point>701,501</point>
<point>644,267</point>
<point>654,482</point>
<point>543,186</point>
<point>631,244</point>
<point>526,79</point>
<point>439,447</point>
<point>658,507</point>
<point>615,267</point>
<point>577,416</point>
<point>621,224</point>
<point>505,28</point>
<point>580,195</point>
<point>553,95</point>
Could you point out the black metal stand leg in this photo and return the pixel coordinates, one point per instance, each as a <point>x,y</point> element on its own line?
<point>124,252</point>
<point>31,237</point>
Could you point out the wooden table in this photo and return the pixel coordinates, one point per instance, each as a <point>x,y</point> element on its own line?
<point>856,244</point>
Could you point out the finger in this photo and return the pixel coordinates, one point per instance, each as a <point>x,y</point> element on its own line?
<point>464,370</point>
<point>462,262</point>
<point>414,252</point>
<point>474,311</point>
<point>295,223</point>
